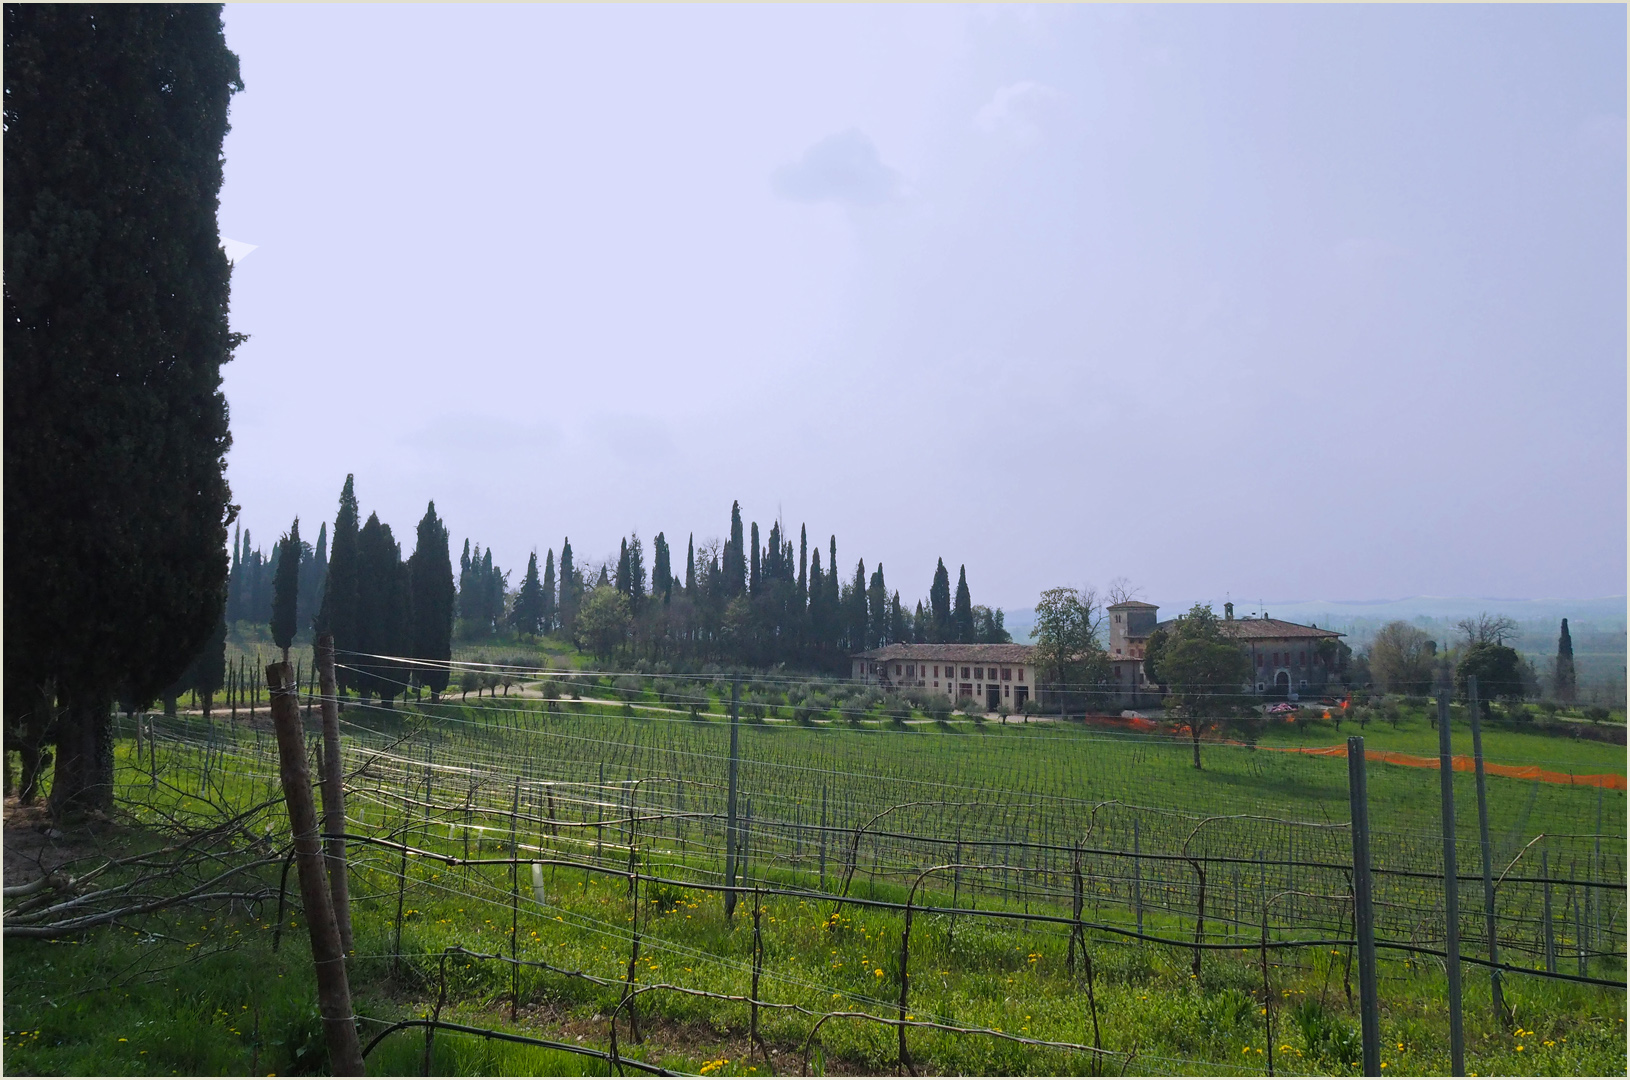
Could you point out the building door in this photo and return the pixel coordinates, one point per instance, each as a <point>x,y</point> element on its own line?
<point>993,697</point>
<point>1281,685</point>
<point>1021,694</point>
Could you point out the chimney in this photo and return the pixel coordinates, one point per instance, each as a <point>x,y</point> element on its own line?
<point>1228,611</point>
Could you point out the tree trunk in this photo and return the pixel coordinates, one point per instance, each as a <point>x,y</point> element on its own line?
<point>1194,734</point>
<point>83,781</point>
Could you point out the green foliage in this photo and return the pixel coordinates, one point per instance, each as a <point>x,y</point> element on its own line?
<point>1204,673</point>
<point>286,588</point>
<point>1497,668</point>
<point>604,621</point>
<point>1067,645</point>
<point>430,580</point>
<point>116,299</point>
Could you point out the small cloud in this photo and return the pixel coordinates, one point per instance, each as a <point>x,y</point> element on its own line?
<point>843,168</point>
<point>236,250</point>
<point>1017,110</point>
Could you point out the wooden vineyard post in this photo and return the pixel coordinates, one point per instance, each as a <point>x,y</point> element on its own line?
<point>514,905</point>
<point>333,781</point>
<point>1137,877</point>
<point>1451,888</point>
<point>1550,930</point>
<point>1495,996</point>
<point>730,801</point>
<point>1364,913</point>
<point>333,990</point>
<point>823,837</point>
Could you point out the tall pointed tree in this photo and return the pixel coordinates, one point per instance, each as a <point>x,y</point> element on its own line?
<point>690,565</point>
<point>569,581</point>
<point>338,612</point>
<point>549,592</point>
<point>962,615</point>
<point>753,570</point>
<point>939,600</point>
<point>1564,681</point>
<point>735,559</point>
<point>527,618</point>
<point>877,606</point>
<point>286,590</point>
<point>661,570</point>
<point>430,576</point>
<point>803,567</point>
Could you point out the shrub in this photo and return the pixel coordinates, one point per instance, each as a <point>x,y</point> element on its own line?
<point>1519,713</point>
<point>1549,708</point>
<point>629,685</point>
<point>970,706</point>
<point>551,690</point>
<point>1596,714</point>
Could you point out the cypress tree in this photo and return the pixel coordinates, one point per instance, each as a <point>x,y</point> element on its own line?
<point>636,573</point>
<point>338,613</point>
<point>897,621</point>
<point>858,630</point>
<point>209,668</point>
<point>116,296</point>
<point>803,566</point>
<point>384,612</point>
<point>661,569</point>
<point>313,564</point>
<point>464,583</point>
<point>735,559</point>
<point>919,625</point>
<point>621,581</point>
<point>549,592</point>
<point>962,614</point>
<point>877,604</point>
<point>430,577</point>
<point>1564,679</point>
<point>286,590</point>
<point>753,570</point>
<point>690,566</point>
<point>527,617</point>
<point>939,599</point>
<point>568,588</point>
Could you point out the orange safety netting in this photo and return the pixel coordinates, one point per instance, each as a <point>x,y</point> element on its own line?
<point>1465,763</point>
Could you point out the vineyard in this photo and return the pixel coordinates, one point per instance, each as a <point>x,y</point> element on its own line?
<point>605,874</point>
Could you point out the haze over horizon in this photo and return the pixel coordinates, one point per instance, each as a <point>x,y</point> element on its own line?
<point>1283,301</point>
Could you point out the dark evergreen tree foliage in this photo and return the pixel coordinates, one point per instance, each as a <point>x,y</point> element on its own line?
<point>690,564</point>
<point>571,587</point>
<point>286,589</point>
<point>735,563</point>
<point>527,616</point>
<point>1564,681</point>
<point>338,613</point>
<point>549,608</point>
<point>877,607</point>
<point>430,580</point>
<point>384,613</point>
<point>661,570</point>
<point>752,575</point>
<point>939,600</point>
<point>116,291</point>
<point>962,627</point>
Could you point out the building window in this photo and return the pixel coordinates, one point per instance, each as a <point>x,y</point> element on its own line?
<point>965,674</point>
<point>1007,673</point>
<point>979,673</point>
<point>911,671</point>
<point>1007,691</point>
<point>1021,677</point>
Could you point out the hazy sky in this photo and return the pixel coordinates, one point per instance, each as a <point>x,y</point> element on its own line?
<point>1273,302</point>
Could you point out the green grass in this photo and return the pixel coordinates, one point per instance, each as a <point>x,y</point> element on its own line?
<point>186,1002</point>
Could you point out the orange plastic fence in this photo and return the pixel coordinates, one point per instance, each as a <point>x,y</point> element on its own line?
<point>1465,763</point>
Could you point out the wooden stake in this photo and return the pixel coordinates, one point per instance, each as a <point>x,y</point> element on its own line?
<point>333,990</point>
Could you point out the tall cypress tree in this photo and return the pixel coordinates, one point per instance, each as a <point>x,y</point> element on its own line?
<point>568,588</point>
<point>962,615</point>
<point>621,579</point>
<point>1564,680</point>
<point>735,561</point>
<point>430,576</point>
<point>384,611</point>
<point>753,570</point>
<point>897,621</point>
<point>209,669</point>
<point>661,569</point>
<point>939,600</point>
<point>636,573</point>
<point>527,617</point>
<point>338,613</point>
<point>877,605</point>
<point>286,590</point>
<point>690,566</point>
<point>803,567</point>
<point>549,592</point>
<point>859,631</point>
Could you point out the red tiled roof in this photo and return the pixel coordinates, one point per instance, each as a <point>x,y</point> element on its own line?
<point>1262,629</point>
<point>973,654</point>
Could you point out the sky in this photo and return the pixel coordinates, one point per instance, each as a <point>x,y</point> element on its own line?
<point>1289,303</point>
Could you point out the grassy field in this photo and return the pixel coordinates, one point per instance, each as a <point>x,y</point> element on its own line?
<point>208,994</point>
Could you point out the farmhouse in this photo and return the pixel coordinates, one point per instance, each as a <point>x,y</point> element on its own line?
<point>1287,659</point>
<point>1002,676</point>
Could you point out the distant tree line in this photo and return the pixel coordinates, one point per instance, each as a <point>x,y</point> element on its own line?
<point>743,602</point>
